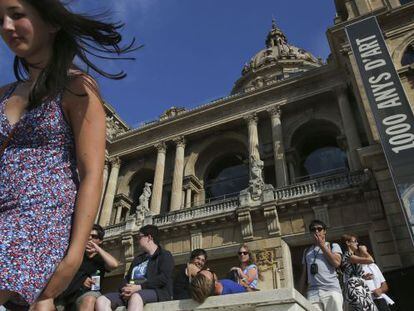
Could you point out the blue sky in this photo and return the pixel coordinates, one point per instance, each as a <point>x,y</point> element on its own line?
<point>194,50</point>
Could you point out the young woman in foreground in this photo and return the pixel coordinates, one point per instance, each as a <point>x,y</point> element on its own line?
<point>52,128</point>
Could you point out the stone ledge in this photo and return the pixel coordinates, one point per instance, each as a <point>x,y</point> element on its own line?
<point>284,299</point>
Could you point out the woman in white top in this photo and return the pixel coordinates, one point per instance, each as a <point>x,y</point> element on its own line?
<point>248,272</point>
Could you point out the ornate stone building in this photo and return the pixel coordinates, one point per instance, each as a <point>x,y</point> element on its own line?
<point>294,141</point>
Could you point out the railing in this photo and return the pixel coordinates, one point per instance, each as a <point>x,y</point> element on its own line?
<point>114,230</point>
<point>214,208</point>
<point>321,185</point>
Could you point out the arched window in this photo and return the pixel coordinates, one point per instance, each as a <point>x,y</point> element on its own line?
<point>325,159</point>
<point>137,184</point>
<point>226,176</point>
<point>317,150</point>
<point>408,56</point>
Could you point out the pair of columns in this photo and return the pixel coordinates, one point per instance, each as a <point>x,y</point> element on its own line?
<point>277,138</point>
<point>156,198</point>
<point>177,184</point>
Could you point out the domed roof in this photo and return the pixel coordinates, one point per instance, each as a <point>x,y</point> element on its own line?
<point>278,61</point>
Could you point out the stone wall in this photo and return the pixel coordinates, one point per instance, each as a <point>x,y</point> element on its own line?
<point>286,299</point>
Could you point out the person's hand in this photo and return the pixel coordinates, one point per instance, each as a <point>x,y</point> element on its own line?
<point>92,247</point>
<point>319,239</point>
<point>377,292</point>
<point>88,282</point>
<point>129,289</point>
<point>368,276</point>
<point>62,277</point>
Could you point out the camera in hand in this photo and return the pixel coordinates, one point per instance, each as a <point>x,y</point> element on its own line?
<point>313,268</point>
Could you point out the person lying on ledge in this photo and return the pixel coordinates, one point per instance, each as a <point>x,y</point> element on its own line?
<point>204,283</point>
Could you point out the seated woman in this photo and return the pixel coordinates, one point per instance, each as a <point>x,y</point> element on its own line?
<point>248,273</point>
<point>357,293</point>
<point>204,284</point>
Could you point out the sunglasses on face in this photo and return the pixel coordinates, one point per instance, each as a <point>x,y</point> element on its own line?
<point>243,253</point>
<point>314,229</point>
<point>94,236</point>
<point>354,242</point>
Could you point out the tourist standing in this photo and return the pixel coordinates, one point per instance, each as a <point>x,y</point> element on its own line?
<point>319,276</point>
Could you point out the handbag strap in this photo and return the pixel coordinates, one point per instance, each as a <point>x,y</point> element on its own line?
<point>7,141</point>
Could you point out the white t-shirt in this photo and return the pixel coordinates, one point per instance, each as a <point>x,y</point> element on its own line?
<point>377,279</point>
<point>326,279</point>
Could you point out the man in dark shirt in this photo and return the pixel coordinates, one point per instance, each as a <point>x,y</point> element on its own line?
<point>198,257</point>
<point>80,294</point>
<point>149,278</point>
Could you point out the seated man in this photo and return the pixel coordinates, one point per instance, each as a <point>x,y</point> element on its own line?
<point>198,257</point>
<point>149,278</point>
<point>81,294</point>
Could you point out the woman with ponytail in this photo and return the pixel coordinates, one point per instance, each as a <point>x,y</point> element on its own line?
<point>52,145</point>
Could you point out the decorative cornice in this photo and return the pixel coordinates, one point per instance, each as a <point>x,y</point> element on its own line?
<point>275,111</point>
<point>251,118</point>
<point>161,147</point>
<point>115,162</point>
<point>179,141</point>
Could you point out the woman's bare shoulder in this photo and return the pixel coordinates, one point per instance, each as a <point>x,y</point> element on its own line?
<point>81,90</point>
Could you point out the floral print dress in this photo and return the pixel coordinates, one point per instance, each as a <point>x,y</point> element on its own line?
<point>38,187</point>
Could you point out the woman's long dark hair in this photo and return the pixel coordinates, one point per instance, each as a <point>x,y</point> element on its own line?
<point>78,36</point>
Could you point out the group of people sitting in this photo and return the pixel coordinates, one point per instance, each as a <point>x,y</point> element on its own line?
<point>150,276</point>
<point>331,273</point>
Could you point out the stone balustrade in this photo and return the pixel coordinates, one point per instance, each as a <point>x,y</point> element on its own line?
<point>283,299</point>
<point>115,230</point>
<point>322,185</point>
<point>207,210</point>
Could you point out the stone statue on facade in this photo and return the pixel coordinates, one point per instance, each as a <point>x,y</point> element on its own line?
<point>254,193</point>
<point>145,197</point>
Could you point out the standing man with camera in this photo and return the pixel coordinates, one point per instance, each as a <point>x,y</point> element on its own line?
<point>319,271</point>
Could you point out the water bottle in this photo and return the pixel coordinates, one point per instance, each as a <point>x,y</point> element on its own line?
<point>96,278</point>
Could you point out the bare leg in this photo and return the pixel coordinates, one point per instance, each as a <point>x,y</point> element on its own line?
<point>135,303</point>
<point>103,304</point>
<point>87,303</point>
<point>5,296</point>
<point>43,305</point>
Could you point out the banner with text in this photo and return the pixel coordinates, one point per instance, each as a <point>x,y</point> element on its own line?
<point>390,107</point>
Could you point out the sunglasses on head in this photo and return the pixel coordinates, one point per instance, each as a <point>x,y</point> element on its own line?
<point>314,229</point>
<point>243,253</point>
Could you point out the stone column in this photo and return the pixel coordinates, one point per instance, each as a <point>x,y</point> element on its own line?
<point>253,136</point>
<point>177,184</point>
<point>158,183</point>
<point>278,147</point>
<point>104,181</point>
<point>394,3</point>
<point>349,127</point>
<point>110,192</point>
<point>188,198</point>
<point>118,214</point>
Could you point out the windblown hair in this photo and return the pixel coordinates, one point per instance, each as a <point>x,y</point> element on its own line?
<point>200,287</point>
<point>78,36</point>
